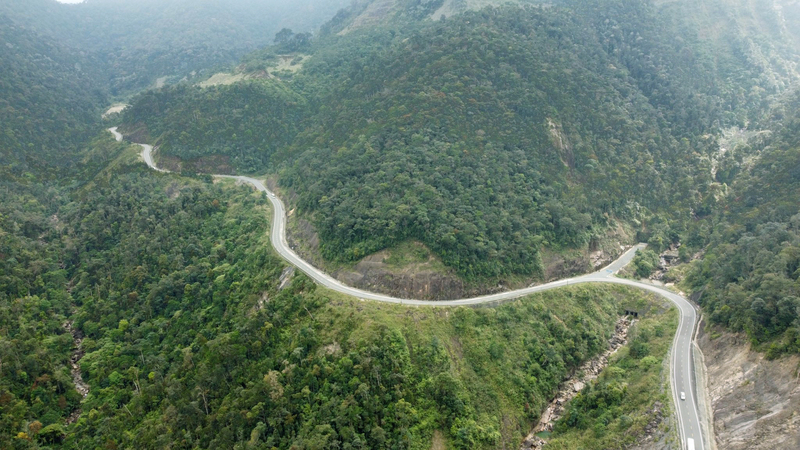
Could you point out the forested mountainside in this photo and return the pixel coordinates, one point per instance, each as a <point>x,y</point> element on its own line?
<point>750,275</point>
<point>136,43</point>
<point>164,293</point>
<point>487,135</point>
<point>38,255</point>
<point>49,104</point>
<point>190,343</point>
<point>228,121</point>
<point>190,338</point>
<point>491,134</point>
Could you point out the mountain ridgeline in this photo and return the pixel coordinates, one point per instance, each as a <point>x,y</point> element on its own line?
<point>486,136</point>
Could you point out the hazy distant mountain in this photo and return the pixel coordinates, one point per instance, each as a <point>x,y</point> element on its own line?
<point>49,102</point>
<point>141,41</point>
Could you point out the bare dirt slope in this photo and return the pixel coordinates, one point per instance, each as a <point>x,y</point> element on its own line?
<point>755,402</point>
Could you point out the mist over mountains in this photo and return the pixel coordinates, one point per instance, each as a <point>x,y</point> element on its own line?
<point>137,42</point>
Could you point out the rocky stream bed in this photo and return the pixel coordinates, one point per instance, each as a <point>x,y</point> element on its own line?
<point>77,378</point>
<point>587,372</point>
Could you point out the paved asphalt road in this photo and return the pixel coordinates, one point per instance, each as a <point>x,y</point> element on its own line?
<point>682,366</point>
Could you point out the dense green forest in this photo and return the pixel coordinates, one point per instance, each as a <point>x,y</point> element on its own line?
<point>35,382</point>
<point>488,136</point>
<point>555,124</point>
<point>750,275</point>
<point>49,105</point>
<point>522,136</point>
<point>37,257</point>
<point>229,121</point>
<point>190,343</point>
<point>211,353</point>
<point>546,121</point>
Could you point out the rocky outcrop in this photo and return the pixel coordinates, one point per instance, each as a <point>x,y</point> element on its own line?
<point>286,278</point>
<point>653,437</point>
<point>755,402</point>
<point>651,429</point>
<point>590,370</point>
<point>372,274</point>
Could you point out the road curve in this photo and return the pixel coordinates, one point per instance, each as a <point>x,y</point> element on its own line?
<point>681,367</point>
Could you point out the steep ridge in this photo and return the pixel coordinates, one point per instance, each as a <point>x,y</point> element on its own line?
<point>749,279</point>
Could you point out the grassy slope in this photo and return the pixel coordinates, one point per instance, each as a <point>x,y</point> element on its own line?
<point>488,350</point>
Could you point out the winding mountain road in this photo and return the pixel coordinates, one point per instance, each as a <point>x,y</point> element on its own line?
<point>681,367</point>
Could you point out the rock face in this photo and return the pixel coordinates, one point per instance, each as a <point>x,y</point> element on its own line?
<point>414,281</point>
<point>755,402</point>
<point>651,429</point>
<point>653,438</point>
<point>570,388</point>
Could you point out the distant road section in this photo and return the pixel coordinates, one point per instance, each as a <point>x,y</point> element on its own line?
<point>682,370</point>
